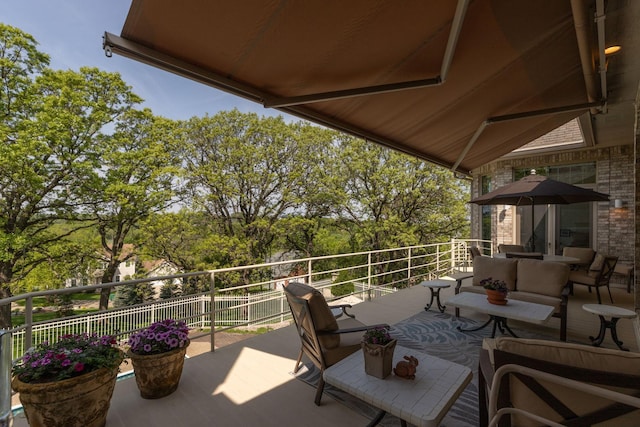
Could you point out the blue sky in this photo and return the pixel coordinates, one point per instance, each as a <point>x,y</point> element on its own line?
<point>70,32</point>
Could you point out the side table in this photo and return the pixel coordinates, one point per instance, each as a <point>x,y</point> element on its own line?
<point>615,313</point>
<point>435,286</point>
<point>459,277</point>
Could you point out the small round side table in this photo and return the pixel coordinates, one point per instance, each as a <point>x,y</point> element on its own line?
<point>615,313</point>
<point>435,286</point>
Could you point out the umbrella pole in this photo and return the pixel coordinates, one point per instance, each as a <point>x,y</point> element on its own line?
<point>533,228</point>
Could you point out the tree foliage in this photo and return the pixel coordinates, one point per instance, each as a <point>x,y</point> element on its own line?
<point>82,173</point>
<point>50,133</point>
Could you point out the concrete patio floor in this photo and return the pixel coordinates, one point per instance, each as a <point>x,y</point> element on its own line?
<point>249,382</point>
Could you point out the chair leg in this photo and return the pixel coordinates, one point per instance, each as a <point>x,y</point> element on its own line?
<point>319,390</point>
<point>610,297</point>
<point>295,370</point>
<point>598,293</point>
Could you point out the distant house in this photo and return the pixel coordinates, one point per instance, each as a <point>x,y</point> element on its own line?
<point>283,273</point>
<point>127,270</point>
<point>159,268</point>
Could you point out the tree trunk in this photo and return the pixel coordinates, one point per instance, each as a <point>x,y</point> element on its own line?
<point>5,310</point>
<point>107,277</point>
<point>104,299</point>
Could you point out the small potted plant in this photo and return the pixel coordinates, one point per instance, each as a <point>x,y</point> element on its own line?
<point>378,346</point>
<point>69,382</point>
<point>157,353</point>
<point>496,290</point>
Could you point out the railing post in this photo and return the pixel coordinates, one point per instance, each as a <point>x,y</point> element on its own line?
<point>309,267</point>
<point>369,277</point>
<point>202,311</point>
<point>5,378</point>
<point>409,268</point>
<point>212,312</point>
<point>28,323</point>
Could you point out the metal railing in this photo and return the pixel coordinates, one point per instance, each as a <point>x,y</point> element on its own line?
<point>241,296</point>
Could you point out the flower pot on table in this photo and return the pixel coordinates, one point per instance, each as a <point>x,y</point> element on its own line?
<point>378,359</point>
<point>496,297</point>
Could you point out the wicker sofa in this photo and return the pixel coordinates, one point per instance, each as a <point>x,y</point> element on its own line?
<point>530,280</point>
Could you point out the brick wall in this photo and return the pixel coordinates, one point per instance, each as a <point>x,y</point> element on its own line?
<point>614,169</point>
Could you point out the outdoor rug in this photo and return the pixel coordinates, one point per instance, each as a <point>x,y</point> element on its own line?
<point>436,334</point>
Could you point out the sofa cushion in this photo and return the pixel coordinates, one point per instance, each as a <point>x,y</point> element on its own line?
<point>542,277</point>
<point>323,318</point>
<point>495,268</point>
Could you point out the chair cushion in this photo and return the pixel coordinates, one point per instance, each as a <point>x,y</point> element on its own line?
<point>571,354</point>
<point>584,277</point>
<point>349,343</point>
<point>323,318</point>
<point>585,255</point>
<point>499,269</point>
<point>576,355</point>
<point>542,277</point>
<point>597,263</point>
<point>502,248</point>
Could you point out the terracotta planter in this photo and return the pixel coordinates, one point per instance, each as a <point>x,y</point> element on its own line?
<point>496,297</point>
<point>158,375</point>
<point>378,359</point>
<point>75,402</point>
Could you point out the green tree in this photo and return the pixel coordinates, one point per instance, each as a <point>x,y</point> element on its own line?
<point>178,237</point>
<point>243,173</point>
<point>318,196</point>
<point>129,295</point>
<point>395,200</point>
<point>169,290</point>
<point>49,133</point>
<point>135,180</point>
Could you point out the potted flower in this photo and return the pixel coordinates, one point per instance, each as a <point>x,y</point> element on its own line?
<point>69,382</point>
<point>378,346</point>
<point>496,290</point>
<point>157,353</point>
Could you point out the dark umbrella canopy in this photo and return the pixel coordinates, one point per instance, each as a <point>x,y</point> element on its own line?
<point>539,190</point>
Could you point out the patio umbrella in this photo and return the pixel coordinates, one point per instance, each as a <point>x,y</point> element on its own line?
<point>539,190</point>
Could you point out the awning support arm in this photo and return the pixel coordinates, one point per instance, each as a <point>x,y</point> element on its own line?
<point>517,116</point>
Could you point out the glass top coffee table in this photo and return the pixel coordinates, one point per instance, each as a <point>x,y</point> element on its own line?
<point>423,401</point>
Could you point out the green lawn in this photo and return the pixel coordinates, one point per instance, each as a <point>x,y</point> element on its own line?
<point>45,302</point>
<point>18,319</point>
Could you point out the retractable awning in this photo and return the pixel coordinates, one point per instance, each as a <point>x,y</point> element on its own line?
<point>456,83</point>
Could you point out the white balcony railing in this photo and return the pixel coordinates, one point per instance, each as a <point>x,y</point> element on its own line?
<point>258,301</point>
